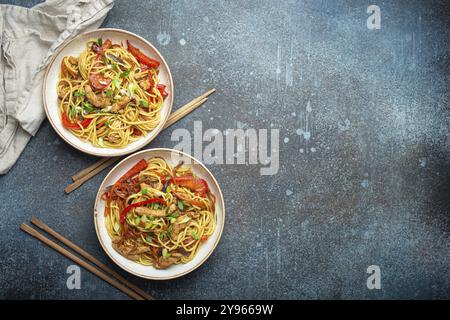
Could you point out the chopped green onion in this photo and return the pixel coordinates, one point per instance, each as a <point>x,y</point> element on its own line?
<point>73,112</point>
<point>125,74</point>
<point>149,225</point>
<point>88,107</point>
<point>185,219</point>
<point>116,227</point>
<point>195,235</point>
<point>144,219</point>
<point>180,205</point>
<point>109,93</point>
<point>149,238</point>
<point>116,83</point>
<point>137,221</point>
<point>172,219</point>
<point>132,88</point>
<point>143,103</point>
<point>144,191</point>
<point>169,231</point>
<point>78,93</point>
<point>165,253</point>
<point>100,41</point>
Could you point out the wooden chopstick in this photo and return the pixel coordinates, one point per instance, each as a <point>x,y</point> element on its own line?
<point>38,223</point>
<point>87,173</point>
<point>181,113</point>
<point>85,178</point>
<point>80,261</point>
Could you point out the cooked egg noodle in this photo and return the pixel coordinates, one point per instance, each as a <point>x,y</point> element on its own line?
<point>109,129</point>
<point>193,223</point>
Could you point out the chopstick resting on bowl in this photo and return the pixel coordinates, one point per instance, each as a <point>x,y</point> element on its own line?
<point>114,279</point>
<point>84,175</point>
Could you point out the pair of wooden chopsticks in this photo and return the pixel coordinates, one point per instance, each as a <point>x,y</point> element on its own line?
<point>84,175</point>
<point>113,278</point>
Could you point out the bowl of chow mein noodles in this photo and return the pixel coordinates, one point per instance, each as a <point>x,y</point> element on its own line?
<point>159,214</point>
<point>108,92</point>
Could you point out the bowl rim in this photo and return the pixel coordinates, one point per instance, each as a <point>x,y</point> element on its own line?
<point>123,152</point>
<point>194,267</point>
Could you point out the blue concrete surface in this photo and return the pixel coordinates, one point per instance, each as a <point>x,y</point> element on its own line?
<point>364,174</point>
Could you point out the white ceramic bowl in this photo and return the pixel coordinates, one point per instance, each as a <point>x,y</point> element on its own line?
<point>74,47</point>
<point>206,248</point>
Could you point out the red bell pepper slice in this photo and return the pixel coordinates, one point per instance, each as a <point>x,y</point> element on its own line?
<point>162,89</point>
<point>197,203</point>
<point>138,167</point>
<point>141,57</point>
<point>124,212</point>
<point>195,184</point>
<point>71,125</point>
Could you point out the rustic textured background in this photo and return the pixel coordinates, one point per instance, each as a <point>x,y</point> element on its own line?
<point>364,153</point>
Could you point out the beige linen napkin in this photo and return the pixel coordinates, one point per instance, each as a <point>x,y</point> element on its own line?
<point>28,38</point>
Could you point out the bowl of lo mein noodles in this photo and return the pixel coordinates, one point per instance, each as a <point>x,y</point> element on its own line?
<point>159,214</point>
<point>108,92</point>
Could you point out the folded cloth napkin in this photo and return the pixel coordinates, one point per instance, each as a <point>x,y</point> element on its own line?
<point>28,38</point>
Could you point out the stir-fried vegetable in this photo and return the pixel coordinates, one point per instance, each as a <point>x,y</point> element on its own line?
<point>195,184</point>
<point>162,89</point>
<point>74,125</point>
<point>141,57</point>
<point>124,212</point>
<point>138,167</point>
